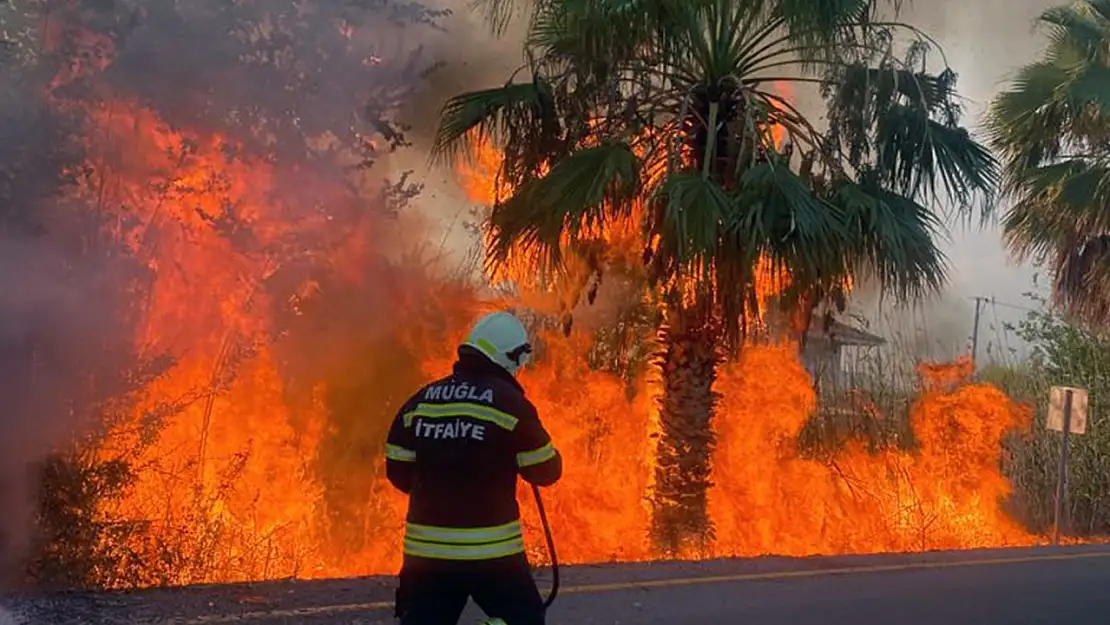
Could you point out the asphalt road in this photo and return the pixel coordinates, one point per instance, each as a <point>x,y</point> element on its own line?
<point>1047,592</point>
<point>999,587</point>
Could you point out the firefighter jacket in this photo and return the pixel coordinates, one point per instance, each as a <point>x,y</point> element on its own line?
<point>456,448</point>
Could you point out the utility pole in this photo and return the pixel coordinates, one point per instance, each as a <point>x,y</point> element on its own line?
<point>975,328</point>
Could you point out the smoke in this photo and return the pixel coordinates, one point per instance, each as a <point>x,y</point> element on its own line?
<point>58,330</point>
<point>314,91</point>
<point>936,328</point>
<point>473,58</point>
<point>63,348</point>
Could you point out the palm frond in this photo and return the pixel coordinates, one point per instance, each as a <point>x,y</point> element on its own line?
<point>1082,279</point>
<point>1101,8</point>
<point>1076,24</point>
<point>498,14</point>
<point>905,125</point>
<point>894,239</point>
<point>1091,88</point>
<point>1079,189</point>
<point>818,23</point>
<point>779,216</point>
<point>584,190</point>
<point>1052,128</point>
<point>690,210</point>
<point>1023,124</point>
<point>1055,202</point>
<point>524,107</point>
<point>922,157</point>
<point>588,32</point>
<point>777,220</point>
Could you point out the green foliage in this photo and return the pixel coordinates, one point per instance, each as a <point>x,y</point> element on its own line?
<point>624,347</point>
<point>75,545</point>
<point>584,190</point>
<point>1064,354</point>
<point>83,543</point>
<point>877,419</point>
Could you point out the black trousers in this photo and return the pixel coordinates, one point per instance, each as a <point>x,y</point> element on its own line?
<point>435,592</point>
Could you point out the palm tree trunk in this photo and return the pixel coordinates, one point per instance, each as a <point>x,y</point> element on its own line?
<point>688,367</point>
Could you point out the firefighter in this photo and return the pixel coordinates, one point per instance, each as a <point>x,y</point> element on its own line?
<point>456,448</point>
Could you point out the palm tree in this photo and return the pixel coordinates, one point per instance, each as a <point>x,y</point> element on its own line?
<point>1051,130</point>
<point>672,113</point>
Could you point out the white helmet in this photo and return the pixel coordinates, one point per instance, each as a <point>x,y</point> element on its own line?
<point>502,337</point>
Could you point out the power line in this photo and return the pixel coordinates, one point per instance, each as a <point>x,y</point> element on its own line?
<point>979,301</point>
<point>995,302</point>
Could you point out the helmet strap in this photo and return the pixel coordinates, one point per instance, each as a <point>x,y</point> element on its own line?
<point>518,352</point>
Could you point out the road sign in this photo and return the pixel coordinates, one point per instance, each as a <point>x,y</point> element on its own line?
<point>1056,417</point>
<point>1067,413</point>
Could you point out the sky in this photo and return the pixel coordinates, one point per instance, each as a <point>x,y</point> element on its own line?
<point>985,42</point>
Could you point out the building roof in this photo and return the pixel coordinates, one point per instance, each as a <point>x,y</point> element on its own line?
<point>845,334</point>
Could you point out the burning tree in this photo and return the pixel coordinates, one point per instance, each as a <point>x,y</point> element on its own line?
<point>207,163</point>
<point>677,118</point>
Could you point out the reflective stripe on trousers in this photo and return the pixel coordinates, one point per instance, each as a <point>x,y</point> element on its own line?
<point>457,543</point>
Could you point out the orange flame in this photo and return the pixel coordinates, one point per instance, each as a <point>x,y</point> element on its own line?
<point>769,499</point>
<point>258,477</point>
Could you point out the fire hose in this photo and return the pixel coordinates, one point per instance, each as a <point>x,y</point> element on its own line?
<point>550,548</point>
